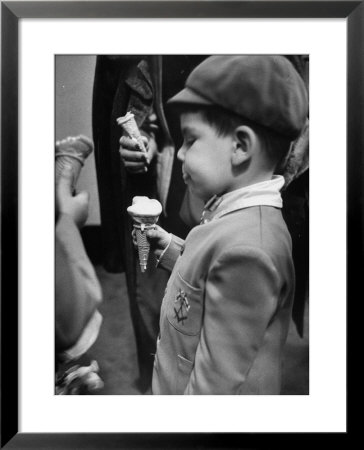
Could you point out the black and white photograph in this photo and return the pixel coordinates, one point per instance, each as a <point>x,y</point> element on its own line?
<point>182,212</point>
<point>182,221</point>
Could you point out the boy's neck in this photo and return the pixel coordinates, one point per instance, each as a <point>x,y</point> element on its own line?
<point>248,180</point>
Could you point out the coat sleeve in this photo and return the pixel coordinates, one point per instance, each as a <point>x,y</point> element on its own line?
<point>240,299</point>
<point>170,255</point>
<point>78,291</point>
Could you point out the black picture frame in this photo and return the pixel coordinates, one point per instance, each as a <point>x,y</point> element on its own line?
<point>11,12</point>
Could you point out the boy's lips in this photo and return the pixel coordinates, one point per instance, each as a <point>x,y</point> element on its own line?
<point>185,176</point>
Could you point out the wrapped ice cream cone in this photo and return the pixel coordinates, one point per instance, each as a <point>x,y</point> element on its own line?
<point>145,213</point>
<point>130,127</point>
<point>72,151</point>
<point>143,245</point>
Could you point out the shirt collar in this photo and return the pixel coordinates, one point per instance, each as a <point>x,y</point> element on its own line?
<point>265,193</point>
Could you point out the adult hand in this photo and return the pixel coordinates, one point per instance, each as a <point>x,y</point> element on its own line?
<point>75,206</point>
<point>158,238</point>
<point>135,160</point>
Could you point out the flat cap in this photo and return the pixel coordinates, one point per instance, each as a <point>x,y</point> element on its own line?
<point>265,89</point>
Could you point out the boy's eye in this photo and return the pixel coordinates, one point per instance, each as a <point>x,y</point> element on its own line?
<point>188,142</point>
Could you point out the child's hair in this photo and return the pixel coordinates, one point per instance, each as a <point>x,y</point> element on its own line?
<point>225,123</point>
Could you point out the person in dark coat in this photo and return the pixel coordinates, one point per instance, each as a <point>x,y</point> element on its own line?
<point>140,84</point>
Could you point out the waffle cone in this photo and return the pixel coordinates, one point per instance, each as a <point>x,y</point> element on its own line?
<point>143,245</point>
<point>63,161</point>
<point>72,151</point>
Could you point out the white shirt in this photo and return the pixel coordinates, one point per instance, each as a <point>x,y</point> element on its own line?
<point>265,193</point>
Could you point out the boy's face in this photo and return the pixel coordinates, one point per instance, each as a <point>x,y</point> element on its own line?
<point>206,157</point>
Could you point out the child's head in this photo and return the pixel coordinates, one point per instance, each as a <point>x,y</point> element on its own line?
<point>239,115</point>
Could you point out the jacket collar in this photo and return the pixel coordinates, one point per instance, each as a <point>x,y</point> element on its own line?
<point>266,193</point>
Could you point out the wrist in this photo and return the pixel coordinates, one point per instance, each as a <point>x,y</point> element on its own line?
<point>160,257</point>
<point>71,217</point>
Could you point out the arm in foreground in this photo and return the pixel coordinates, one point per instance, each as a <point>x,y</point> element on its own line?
<point>78,291</point>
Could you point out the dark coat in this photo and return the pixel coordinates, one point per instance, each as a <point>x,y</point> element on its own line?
<point>121,84</point>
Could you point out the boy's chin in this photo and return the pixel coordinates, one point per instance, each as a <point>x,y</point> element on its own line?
<point>200,195</point>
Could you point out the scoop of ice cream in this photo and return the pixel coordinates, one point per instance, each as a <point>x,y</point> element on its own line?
<point>139,198</point>
<point>144,206</point>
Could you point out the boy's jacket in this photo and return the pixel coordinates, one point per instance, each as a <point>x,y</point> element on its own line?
<point>227,307</point>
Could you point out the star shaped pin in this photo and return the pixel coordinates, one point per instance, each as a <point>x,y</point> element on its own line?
<point>184,306</point>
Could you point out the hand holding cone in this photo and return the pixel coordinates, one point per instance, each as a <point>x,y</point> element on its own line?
<point>130,127</point>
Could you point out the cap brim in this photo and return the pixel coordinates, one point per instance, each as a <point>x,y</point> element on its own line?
<point>189,97</point>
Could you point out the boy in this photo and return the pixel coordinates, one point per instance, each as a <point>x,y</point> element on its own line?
<point>226,310</point>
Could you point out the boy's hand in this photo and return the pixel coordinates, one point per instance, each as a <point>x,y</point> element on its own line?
<point>135,160</point>
<point>159,239</point>
<point>77,206</point>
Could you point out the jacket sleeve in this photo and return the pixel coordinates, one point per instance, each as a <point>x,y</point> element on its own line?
<point>78,292</point>
<point>240,299</point>
<point>168,258</point>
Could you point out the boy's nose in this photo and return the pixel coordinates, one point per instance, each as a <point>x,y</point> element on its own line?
<point>181,154</point>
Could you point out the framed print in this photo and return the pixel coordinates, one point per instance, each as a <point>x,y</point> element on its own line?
<point>37,38</point>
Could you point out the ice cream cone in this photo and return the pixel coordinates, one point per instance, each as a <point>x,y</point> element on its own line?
<point>73,152</point>
<point>130,127</point>
<point>143,245</point>
<point>145,213</point>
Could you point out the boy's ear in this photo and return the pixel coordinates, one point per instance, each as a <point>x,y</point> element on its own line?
<point>244,143</point>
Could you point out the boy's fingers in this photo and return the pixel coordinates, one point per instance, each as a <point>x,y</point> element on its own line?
<point>158,228</point>
<point>155,234</point>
